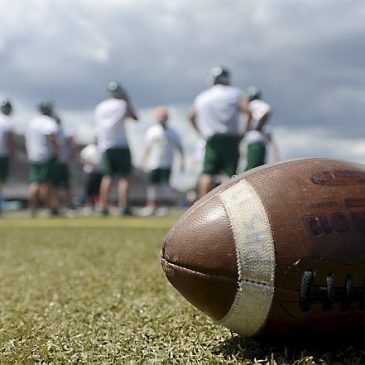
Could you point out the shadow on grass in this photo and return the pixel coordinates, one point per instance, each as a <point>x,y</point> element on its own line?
<point>321,350</point>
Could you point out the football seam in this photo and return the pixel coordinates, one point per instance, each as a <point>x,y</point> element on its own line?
<point>183,268</point>
<point>257,283</point>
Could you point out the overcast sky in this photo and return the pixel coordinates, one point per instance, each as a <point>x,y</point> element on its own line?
<point>307,56</point>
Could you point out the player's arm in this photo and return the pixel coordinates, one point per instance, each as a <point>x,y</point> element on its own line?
<point>131,112</point>
<point>264,119</point>
<point>145,156</point>
<point>148,144</point>
<point>192,118</point>
<point>245,109</point>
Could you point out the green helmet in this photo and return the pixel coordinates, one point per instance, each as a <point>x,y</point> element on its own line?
<point>46,108</point>
<point>6,107</point>
<point>116,90</point>
<point>253,93</point>
<point>219,76</point>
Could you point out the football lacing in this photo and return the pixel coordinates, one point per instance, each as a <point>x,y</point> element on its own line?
<point>329,294</point>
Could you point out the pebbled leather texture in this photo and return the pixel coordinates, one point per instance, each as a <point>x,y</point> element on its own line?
<point>199,257</point>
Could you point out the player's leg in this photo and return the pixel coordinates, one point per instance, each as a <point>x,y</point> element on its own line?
<point>210,168</point>
<point>256,155</point>
<point>50,186</point>
<point>206,183</point>
<point>50,193</point>
<point>165,191</point>
<point>123,167</point>
<point>34,190</point>
<point>154,177</point>
<point>123,196</point>
<point>229,152</point>
<point>93,189</point>
<point>106,181</point>
<point>152,194</point>
<point>33,196</point>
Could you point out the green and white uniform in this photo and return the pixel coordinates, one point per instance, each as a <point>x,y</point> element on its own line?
<point>218,119</point>
<point>161,143</point>
<point>255,140</point>
<point>112,137</point>
<point>41,154</point>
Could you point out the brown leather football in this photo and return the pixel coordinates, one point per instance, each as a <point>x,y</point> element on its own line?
<point>278,250</point>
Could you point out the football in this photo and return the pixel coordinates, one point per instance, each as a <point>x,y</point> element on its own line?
<point>278,250</point>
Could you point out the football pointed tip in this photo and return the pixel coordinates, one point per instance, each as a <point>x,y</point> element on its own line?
<point>199,258</point>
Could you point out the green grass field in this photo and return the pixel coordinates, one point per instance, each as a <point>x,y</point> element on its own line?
<point>91,290</point>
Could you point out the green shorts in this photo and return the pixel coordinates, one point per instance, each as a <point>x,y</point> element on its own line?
<point>4,168</point>
<point>256,155</point>
<point>221,155</point>
<point>42,172</point>
<point>61,176</point>
<point>117,162</point>
<point>160,176</point>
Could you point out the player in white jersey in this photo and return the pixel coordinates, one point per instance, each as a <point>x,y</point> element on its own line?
<point>215,115</point>
<point>161,141</point>
<point>43,150</point>
<point>7,143</point>
<point>257,136</point>
<point>110,116</point>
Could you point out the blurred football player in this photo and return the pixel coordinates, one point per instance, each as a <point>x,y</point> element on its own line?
<point>111,115</point>
<point>258,137</point>
<point>215,115</point>
<point>161,141</point>
<point>43,150</point>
